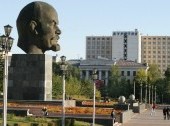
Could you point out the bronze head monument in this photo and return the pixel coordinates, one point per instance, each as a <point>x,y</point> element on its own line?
<point>38,30</point>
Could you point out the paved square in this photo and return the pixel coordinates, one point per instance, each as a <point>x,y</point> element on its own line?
<point>145,119</point>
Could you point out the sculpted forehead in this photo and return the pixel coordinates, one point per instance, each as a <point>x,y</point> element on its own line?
<point>36,10</point>
<point>50,14</point>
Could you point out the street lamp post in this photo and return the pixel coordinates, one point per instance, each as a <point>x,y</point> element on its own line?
<point>146,94</point>
<point>63,67</point>
<point>134,88</point>
<point>5,46</point>
<point>94,76</point>
<point>152,93</point>
<point>155,94</point>
<point>149,99</point>
<point>141,92</point>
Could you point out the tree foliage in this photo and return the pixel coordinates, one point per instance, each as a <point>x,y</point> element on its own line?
<point>154,74</point>
<point>141,76</point>
<point>74,86</point>
<point>166,87</point>
<point>57,85</point>
<point>118,85</point>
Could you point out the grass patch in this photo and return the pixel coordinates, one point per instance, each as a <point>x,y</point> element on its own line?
<point>13,120</point>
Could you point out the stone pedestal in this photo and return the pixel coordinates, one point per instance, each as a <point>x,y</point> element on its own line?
<point>30,77</point>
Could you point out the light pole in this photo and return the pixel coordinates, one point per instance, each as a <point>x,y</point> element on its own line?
<point>155,94</point>
<point>149,99</point>
<point>134,87</point>
<point>5,44</point>
<point>152,93</point>
<point>141,92</point>
<point>63,67</point>
<point>94,76</point>
<point>146,94</point>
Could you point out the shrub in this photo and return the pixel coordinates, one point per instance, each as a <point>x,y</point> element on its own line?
<point>34,124</point>
<point>16,124</point>
<point>50,124</point>
<point>10,116</point>
<point>29,119</point>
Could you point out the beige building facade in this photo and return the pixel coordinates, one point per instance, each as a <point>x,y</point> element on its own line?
<point>156,50</point>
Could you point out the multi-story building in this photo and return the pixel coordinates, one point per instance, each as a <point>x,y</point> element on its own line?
<point>156,50</point>
<point>126,45</point>
<point>130,45</point>
<point>98,46</point>
<point>127,68</point>
<point>121,45</point>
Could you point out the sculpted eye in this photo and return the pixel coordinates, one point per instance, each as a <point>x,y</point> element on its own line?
<point>54,22</point>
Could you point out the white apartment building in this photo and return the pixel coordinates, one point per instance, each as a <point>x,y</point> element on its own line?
<point>98,46</point>
<point>156,50</point>
<point>126,45</point>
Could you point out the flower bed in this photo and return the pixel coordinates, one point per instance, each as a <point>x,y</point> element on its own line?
<point>68,110</point>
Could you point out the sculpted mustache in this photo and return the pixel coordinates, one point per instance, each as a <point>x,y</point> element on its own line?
<point>57,38</point>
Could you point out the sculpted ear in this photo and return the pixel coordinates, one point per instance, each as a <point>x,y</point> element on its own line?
<point>33,27</point>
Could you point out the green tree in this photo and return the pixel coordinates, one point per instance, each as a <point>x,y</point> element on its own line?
<point>167,85</point>
<point>114,85</point>
<point>141,78</point>
<point>56,86</point>
<point>73,72</point>
<point>154,74</point>
<point>74,86</point>
<point>86,88</point>
<point>161,90</point>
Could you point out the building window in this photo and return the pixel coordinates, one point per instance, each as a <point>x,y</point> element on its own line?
<point>128,73</point>
<point>134,73</point>
<point>122,73</point>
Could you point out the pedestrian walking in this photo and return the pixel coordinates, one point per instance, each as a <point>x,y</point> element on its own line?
<point>167,112</point>
<point>113,115</point>
<point>153,109</point>
<point>164,113</point>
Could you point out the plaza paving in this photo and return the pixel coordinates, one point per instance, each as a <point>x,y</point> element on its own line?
<point>145,119</point>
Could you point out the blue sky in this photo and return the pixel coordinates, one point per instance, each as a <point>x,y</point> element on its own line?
<point>81,18</point>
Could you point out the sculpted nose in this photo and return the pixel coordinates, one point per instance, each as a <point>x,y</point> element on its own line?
<point>58,31</point>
